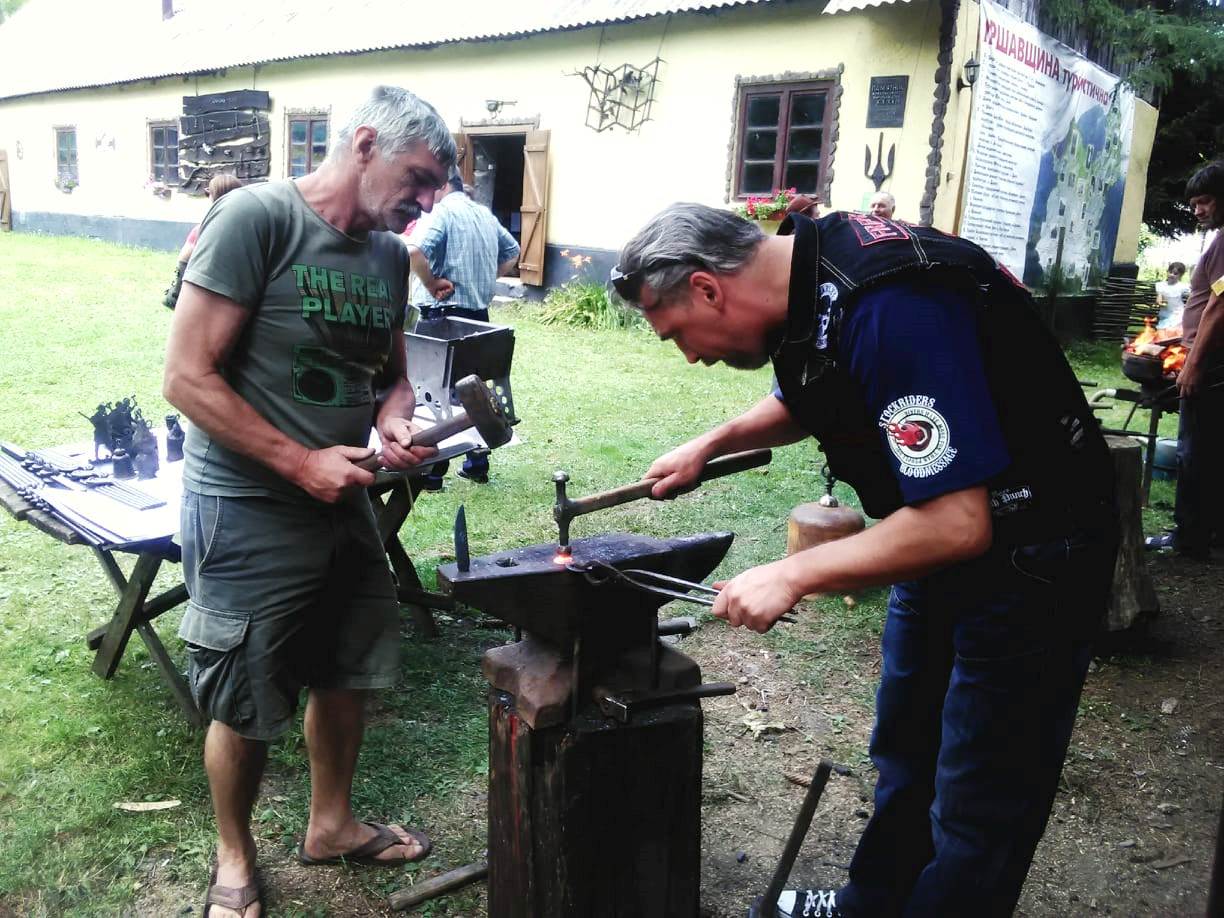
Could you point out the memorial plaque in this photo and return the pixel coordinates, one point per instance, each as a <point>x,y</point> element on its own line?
<point>886,101</point>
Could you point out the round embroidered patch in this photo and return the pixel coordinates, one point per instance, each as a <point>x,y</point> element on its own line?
<point>918,436</point>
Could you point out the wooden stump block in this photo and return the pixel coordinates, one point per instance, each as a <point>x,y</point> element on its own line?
<point>593,818</point>
<point>1133,596</point>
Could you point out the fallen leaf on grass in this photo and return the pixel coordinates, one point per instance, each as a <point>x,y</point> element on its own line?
<point>145,806</point>
<point>759,726</point>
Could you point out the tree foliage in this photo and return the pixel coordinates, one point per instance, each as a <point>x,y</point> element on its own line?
<point>1172,52</point>
<point>8,8</point>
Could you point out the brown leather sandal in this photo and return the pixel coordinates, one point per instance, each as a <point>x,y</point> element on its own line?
<point>367,854</point>
<point>238,899</point>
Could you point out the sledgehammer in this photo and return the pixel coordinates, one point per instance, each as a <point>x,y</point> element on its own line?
<point>481,410</point>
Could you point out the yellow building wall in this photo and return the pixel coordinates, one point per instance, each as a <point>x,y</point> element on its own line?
<point>1143,135</point>
<point>602,186</point>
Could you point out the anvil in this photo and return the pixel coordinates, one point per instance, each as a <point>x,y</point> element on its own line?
<point>579,634</point>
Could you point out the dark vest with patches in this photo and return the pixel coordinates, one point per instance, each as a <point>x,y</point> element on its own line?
<point>1061,476</point>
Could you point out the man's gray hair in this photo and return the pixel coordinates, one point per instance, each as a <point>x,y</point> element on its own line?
<point>689,237</point>
<point>401,120</point>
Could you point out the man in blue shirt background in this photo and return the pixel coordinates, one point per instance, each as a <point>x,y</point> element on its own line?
<point>894,346</point>
<point>458,251</point>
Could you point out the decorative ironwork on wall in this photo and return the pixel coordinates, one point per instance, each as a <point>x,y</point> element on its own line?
<point>223,132</point>
<point>621,97</point>
<point>879,174</point>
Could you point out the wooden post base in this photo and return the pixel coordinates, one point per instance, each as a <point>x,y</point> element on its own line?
<point>1133,596</point>
<point>595,819</point>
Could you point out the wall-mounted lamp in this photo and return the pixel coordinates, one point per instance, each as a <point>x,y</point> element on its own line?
<point>494,105</point>
<point>971,69</point>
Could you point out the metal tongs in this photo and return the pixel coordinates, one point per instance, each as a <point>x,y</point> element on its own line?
<point>599,573</point>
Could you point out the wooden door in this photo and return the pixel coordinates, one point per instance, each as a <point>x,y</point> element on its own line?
<point>6,208</point>
<point>535,208</point>
<point>465,159</point>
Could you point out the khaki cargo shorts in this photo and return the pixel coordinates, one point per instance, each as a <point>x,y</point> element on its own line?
<point>283,596</point>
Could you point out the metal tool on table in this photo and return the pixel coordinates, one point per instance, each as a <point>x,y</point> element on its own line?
<point>767,905</point>
<point>480,410</point>
<point>566,508</point>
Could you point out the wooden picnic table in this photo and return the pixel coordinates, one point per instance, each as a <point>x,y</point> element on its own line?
<point>393,495</point>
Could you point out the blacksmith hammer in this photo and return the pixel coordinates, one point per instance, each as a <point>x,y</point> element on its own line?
<point>566,508</point>
<point>480,410</point>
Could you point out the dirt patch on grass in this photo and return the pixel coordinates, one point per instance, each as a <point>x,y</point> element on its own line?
<point>1132,829</point>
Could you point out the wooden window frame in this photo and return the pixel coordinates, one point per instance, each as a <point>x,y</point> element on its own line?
<point>62,181</point>
<point>176,178</point>
<point>311,117</point>
<point>827,80</point>
<point>786,92</point>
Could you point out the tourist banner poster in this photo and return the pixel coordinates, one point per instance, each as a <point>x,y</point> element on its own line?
<point>1049,142</point>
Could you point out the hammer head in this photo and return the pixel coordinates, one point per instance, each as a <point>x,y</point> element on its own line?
<point>484,410</point>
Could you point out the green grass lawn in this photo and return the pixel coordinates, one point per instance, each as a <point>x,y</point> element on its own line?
<point>81,323</point>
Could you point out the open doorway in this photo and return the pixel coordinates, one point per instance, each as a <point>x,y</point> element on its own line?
<point>507,167</point>
<point>497,178</point>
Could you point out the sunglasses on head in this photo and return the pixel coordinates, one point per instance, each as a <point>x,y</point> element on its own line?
<point>628,284</point>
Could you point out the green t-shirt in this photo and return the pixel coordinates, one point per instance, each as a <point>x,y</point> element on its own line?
<point>325,308</point>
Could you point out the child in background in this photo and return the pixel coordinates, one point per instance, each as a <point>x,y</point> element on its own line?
<point>1171,296</point>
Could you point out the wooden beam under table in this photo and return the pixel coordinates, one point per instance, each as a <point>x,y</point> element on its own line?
<point>135,612</point>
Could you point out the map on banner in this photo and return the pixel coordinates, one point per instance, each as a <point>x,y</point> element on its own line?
<point>1049,146</point>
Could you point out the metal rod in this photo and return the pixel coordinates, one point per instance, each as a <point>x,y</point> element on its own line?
<point>769,904</point>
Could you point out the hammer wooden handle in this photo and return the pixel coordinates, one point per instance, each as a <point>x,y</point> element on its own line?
<point>431,436</point>
<point>715,468</point>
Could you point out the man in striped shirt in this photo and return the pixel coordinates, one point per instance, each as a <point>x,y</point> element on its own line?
<point>458,251</point>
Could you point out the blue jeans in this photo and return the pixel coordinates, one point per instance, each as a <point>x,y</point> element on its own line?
<point>1200,469</point>
<point>982,670</point>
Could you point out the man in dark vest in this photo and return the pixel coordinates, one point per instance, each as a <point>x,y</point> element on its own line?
<point>935,392</point>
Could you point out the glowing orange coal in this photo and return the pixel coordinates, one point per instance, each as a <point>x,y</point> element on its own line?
<point>1164,343</point>
<point>1174,359</point>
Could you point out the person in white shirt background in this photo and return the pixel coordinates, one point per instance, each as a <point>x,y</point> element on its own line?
<point>1171,296</point>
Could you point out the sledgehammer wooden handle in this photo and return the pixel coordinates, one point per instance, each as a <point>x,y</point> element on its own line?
<point>431,436</point>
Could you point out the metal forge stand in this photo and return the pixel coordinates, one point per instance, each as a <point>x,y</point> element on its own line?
<point>595,733</point>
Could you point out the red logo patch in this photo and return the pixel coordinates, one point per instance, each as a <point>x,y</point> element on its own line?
<point>871,230</point>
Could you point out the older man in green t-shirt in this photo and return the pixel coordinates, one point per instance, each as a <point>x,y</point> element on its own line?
<point>285,346</point>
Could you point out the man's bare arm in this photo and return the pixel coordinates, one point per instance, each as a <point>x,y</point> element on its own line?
<point>397,404</point>
<point>911,542</point>
<point>767,423</point>
<point>205,327</point>
<point>439,287</point>
<point>1208,343</point>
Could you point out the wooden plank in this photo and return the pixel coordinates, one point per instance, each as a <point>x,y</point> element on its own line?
<point>535,208</point>
<point>198,124</point>
<point>107,559</point>
<point>1133,596</point>
<point>171,676</point>
<point>221,101</point>
<point>126,616</point>
<point>189,144</point>
<point>163,602</point>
